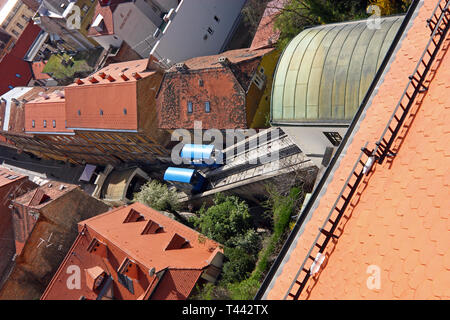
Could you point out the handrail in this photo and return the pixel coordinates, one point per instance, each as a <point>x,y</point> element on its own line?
<point>330,234</point>
<point>382,145</point>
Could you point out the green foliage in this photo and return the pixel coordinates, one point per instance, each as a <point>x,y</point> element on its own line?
<point>250,242</point>
<point>158,196</point>
<point>298,15</point>
<point>245,264</point>
<point>83,64</point>
<point>282,207</point>
<point>239,265</point>
<point>226,219</point>
<point>244,290</point>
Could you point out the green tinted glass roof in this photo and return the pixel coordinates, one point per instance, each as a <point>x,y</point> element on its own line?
<point>325,71</point>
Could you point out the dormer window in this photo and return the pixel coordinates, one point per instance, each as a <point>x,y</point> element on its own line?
<point>54,123</point>
<point>207,107</point>
<point>33,123</point>
<point>45,123</point>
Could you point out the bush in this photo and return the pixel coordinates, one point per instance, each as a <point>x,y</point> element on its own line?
<point>158,196</point>
<point>225,220</point>
<point>239,265</point>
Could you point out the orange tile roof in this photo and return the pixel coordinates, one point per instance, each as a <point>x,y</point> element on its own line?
<point>266,34</point>
<point>8,177</point>
<point>179,268</point>
<point>107,13</point>
<point>206,80</point>
<point>85,102</point>
<point>44,195</point>
<point>37,68</point>
<point>47,113</point>
<point>399,221</point>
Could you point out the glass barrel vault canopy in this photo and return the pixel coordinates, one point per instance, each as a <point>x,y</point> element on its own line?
<point>325,71</point>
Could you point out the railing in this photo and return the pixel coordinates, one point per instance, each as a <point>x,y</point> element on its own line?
<point>439,24</point>
<point>316,258</point>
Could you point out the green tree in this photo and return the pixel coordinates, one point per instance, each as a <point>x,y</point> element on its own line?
<point>158,196</point>
<point>297,15</point>
<point>226,219</point>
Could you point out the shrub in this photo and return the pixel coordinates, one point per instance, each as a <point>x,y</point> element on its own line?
<point>158,196</point>
<point>226,219</point>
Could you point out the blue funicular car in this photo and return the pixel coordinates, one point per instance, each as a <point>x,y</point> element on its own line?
<point>201,155</point>
<point>188,180</point>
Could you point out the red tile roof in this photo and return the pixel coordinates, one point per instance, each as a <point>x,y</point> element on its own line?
<point>206,80</point>
<point>266,34</point>
<point>47,113</point>
<point>178,269</point>
<point>398,224</point>
<point>8,177</point>
<point>38,67</point>
<point>13,63</point>
<point>106,11</point>
<point>44,195</point>
<point>106,104</point>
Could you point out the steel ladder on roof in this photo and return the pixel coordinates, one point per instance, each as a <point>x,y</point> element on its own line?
<point>439,25</point>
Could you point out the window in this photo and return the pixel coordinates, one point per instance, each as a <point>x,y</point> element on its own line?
<point>126,282</point>
<point>210,31</point>
<point>15,33</point>
<point>205,37</point>
<point>124,111</point>
<point>334,137</point>
<point>33,123</point>
<point>54,123</point>
<point>85,8</point>
<point>101,112</point>
<point>79,112</point>
<point>217,19</point>
<point>259,81</point>
<point>18,75</point>
<point>45,123</point>
<point>190,108</point>
<point>19,26</point>
<point>200,82</point>
<point>207,107</point>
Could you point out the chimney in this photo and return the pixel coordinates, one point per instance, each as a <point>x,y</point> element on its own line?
<point>60,93</point>
<point>110,78</point>
<point>102,75</point>
<point>224,61</point>
<point>124,77</point>
<point>44,95</point>
<point>181,66</point>
<point>93,80</point>
<point>137,76</point>
<point>78,81</point>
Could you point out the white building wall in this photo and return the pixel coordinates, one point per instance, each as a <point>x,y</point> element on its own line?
<point>184,36</point>
<point>312,140</point>
<point>132,25</point>
<point>165,5</point>
<point>108,40</point>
